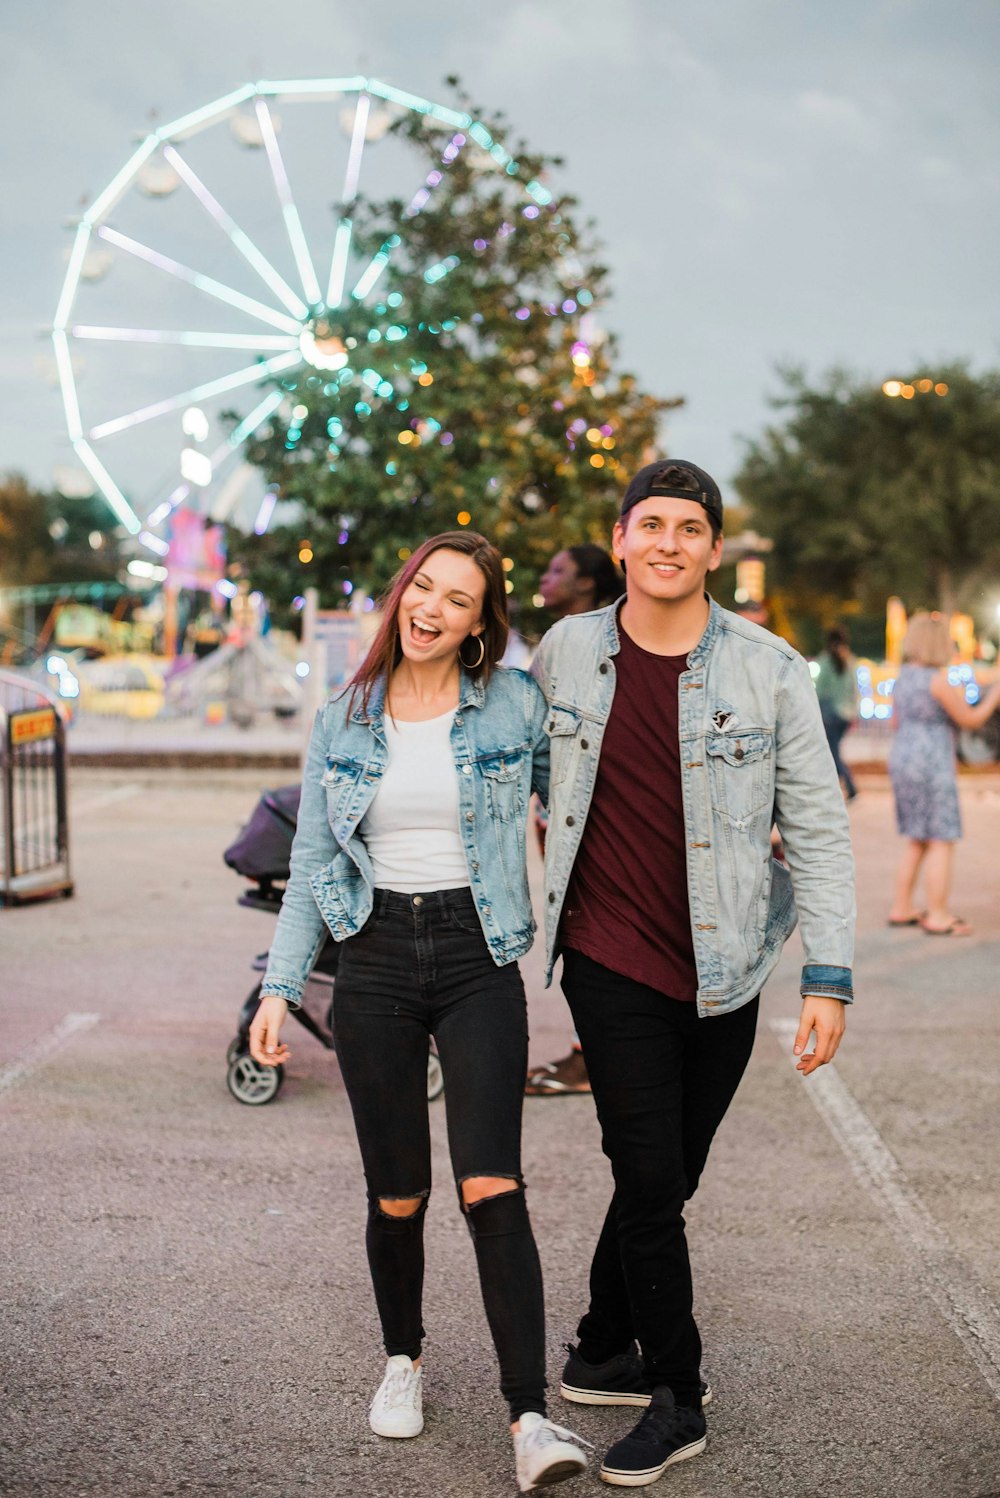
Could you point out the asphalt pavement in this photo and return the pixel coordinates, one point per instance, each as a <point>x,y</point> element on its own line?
<point>186,1300</point>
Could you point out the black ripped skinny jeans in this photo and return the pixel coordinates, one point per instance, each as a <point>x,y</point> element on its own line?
<point>421,967</point>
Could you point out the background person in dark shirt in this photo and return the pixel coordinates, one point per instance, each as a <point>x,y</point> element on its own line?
<point>576,580</point>
<point>664,1003</point>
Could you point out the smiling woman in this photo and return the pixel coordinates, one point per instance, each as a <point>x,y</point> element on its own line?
<point>410,849</point>
<point>451,587</point>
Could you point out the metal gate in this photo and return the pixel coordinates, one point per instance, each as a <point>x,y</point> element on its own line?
<point>34,833</point>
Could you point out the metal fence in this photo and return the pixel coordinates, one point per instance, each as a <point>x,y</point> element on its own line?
<point>34,832</point>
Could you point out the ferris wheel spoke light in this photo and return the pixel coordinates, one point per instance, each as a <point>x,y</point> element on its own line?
<point>421,106</point>
<point>76,256</point>
<point>256,418</point>
<point>177,497</point>
<point>233,381</point>
<point>357,148</point>
<point>71,405</point>
<point>374,268</point>
<point>436,177</point>
<point>338,265</point>
<point>274,341</point>
<point>119,183</point>
<point>107,485</point>
<point>293,223</point>
<point>207,115</point>
<point>435,273</point>
<point>265,512</point>
<point>322,87</point>
<point>154,543</point>
<point>203,283</point>
<point>241,241</point>
<point>540,194</point>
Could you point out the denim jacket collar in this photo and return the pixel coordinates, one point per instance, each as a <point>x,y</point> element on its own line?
<point>703,648</point>
<point>696,656</point>
<point>471,693</point>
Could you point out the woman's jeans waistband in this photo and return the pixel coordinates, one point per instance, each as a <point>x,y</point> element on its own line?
<point>427,902</point>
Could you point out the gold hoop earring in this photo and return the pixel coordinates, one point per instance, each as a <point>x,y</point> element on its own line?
<point>482,655</point>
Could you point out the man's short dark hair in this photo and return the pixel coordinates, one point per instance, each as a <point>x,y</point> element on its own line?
<point>680,478</point>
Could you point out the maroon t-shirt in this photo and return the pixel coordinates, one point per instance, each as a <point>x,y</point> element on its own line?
<point>627,902</point>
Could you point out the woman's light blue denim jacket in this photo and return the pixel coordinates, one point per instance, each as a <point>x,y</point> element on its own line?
<point>753,752</point>
<point>501,754</point>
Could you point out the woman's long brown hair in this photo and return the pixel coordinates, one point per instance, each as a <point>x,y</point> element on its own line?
<point>386,652</point>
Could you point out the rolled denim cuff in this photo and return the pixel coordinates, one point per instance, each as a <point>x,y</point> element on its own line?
<point>279,989</point>
<point>827,982</point>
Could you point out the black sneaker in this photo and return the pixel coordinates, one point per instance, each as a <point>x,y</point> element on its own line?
<point>667,1433</point>
<point>621,1380</point>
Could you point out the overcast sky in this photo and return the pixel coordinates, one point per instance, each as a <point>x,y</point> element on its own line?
<point>774,180</point>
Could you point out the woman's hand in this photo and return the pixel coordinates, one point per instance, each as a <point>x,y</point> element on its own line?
<point>265,1047</point>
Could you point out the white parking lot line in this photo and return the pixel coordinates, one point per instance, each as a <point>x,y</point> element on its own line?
<point>40,1050</point>
<point>42,826</point>
<point>106,798</point>
<point>966,1306</point>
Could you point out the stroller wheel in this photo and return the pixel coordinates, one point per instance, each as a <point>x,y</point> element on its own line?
<point>435,1076</point>
<point>250,1083</point>
<point>233,1050</point>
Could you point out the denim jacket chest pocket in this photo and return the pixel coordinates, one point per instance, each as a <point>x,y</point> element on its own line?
<point>741,773</point>
<point>504,775</point>
<point>340,778</point>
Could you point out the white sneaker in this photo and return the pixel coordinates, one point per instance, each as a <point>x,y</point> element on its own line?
<point>544,1454</point>
<point>397,1409</point>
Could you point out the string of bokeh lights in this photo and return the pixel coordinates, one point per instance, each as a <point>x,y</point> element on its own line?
<point>907,391</point>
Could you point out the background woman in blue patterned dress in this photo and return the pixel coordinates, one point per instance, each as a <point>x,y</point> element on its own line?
<point>927,712</point>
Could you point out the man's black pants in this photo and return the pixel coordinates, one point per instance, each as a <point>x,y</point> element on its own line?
<point>662,1080</point>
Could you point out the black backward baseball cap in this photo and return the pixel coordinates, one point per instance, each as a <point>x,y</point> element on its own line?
<point>667,476</point>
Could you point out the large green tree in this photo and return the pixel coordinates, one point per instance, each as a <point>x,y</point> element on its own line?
<point>867,493</point>
<point>478,389</point>
<point>45,538</point>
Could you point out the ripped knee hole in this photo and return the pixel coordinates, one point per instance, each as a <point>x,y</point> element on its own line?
<point>406,1206</point>
<point>476,1189</point>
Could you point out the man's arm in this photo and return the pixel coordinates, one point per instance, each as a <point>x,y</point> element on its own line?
<point>812,819</point>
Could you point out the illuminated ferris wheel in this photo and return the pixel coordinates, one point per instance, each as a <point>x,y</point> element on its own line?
<point>211,266</point>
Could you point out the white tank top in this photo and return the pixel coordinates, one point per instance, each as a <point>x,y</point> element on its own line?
<point>411,828</point>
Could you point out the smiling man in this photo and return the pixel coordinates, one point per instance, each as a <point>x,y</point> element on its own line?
<point>680,732</point>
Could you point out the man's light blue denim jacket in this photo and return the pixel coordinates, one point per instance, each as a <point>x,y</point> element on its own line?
<point>501,754</point>
<point>753,752</point>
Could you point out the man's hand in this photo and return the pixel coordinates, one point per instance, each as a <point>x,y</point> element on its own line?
<point>265,1047</point>
<point>826,1018</point>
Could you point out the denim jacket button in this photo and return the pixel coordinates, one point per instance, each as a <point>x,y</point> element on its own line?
<point>603,668</point>
<point>470,816</point>
<point>571,821</point>
<point>584,744</point>
<point>466,769</point>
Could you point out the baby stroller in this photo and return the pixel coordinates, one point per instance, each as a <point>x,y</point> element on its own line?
<point>261,854</point>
